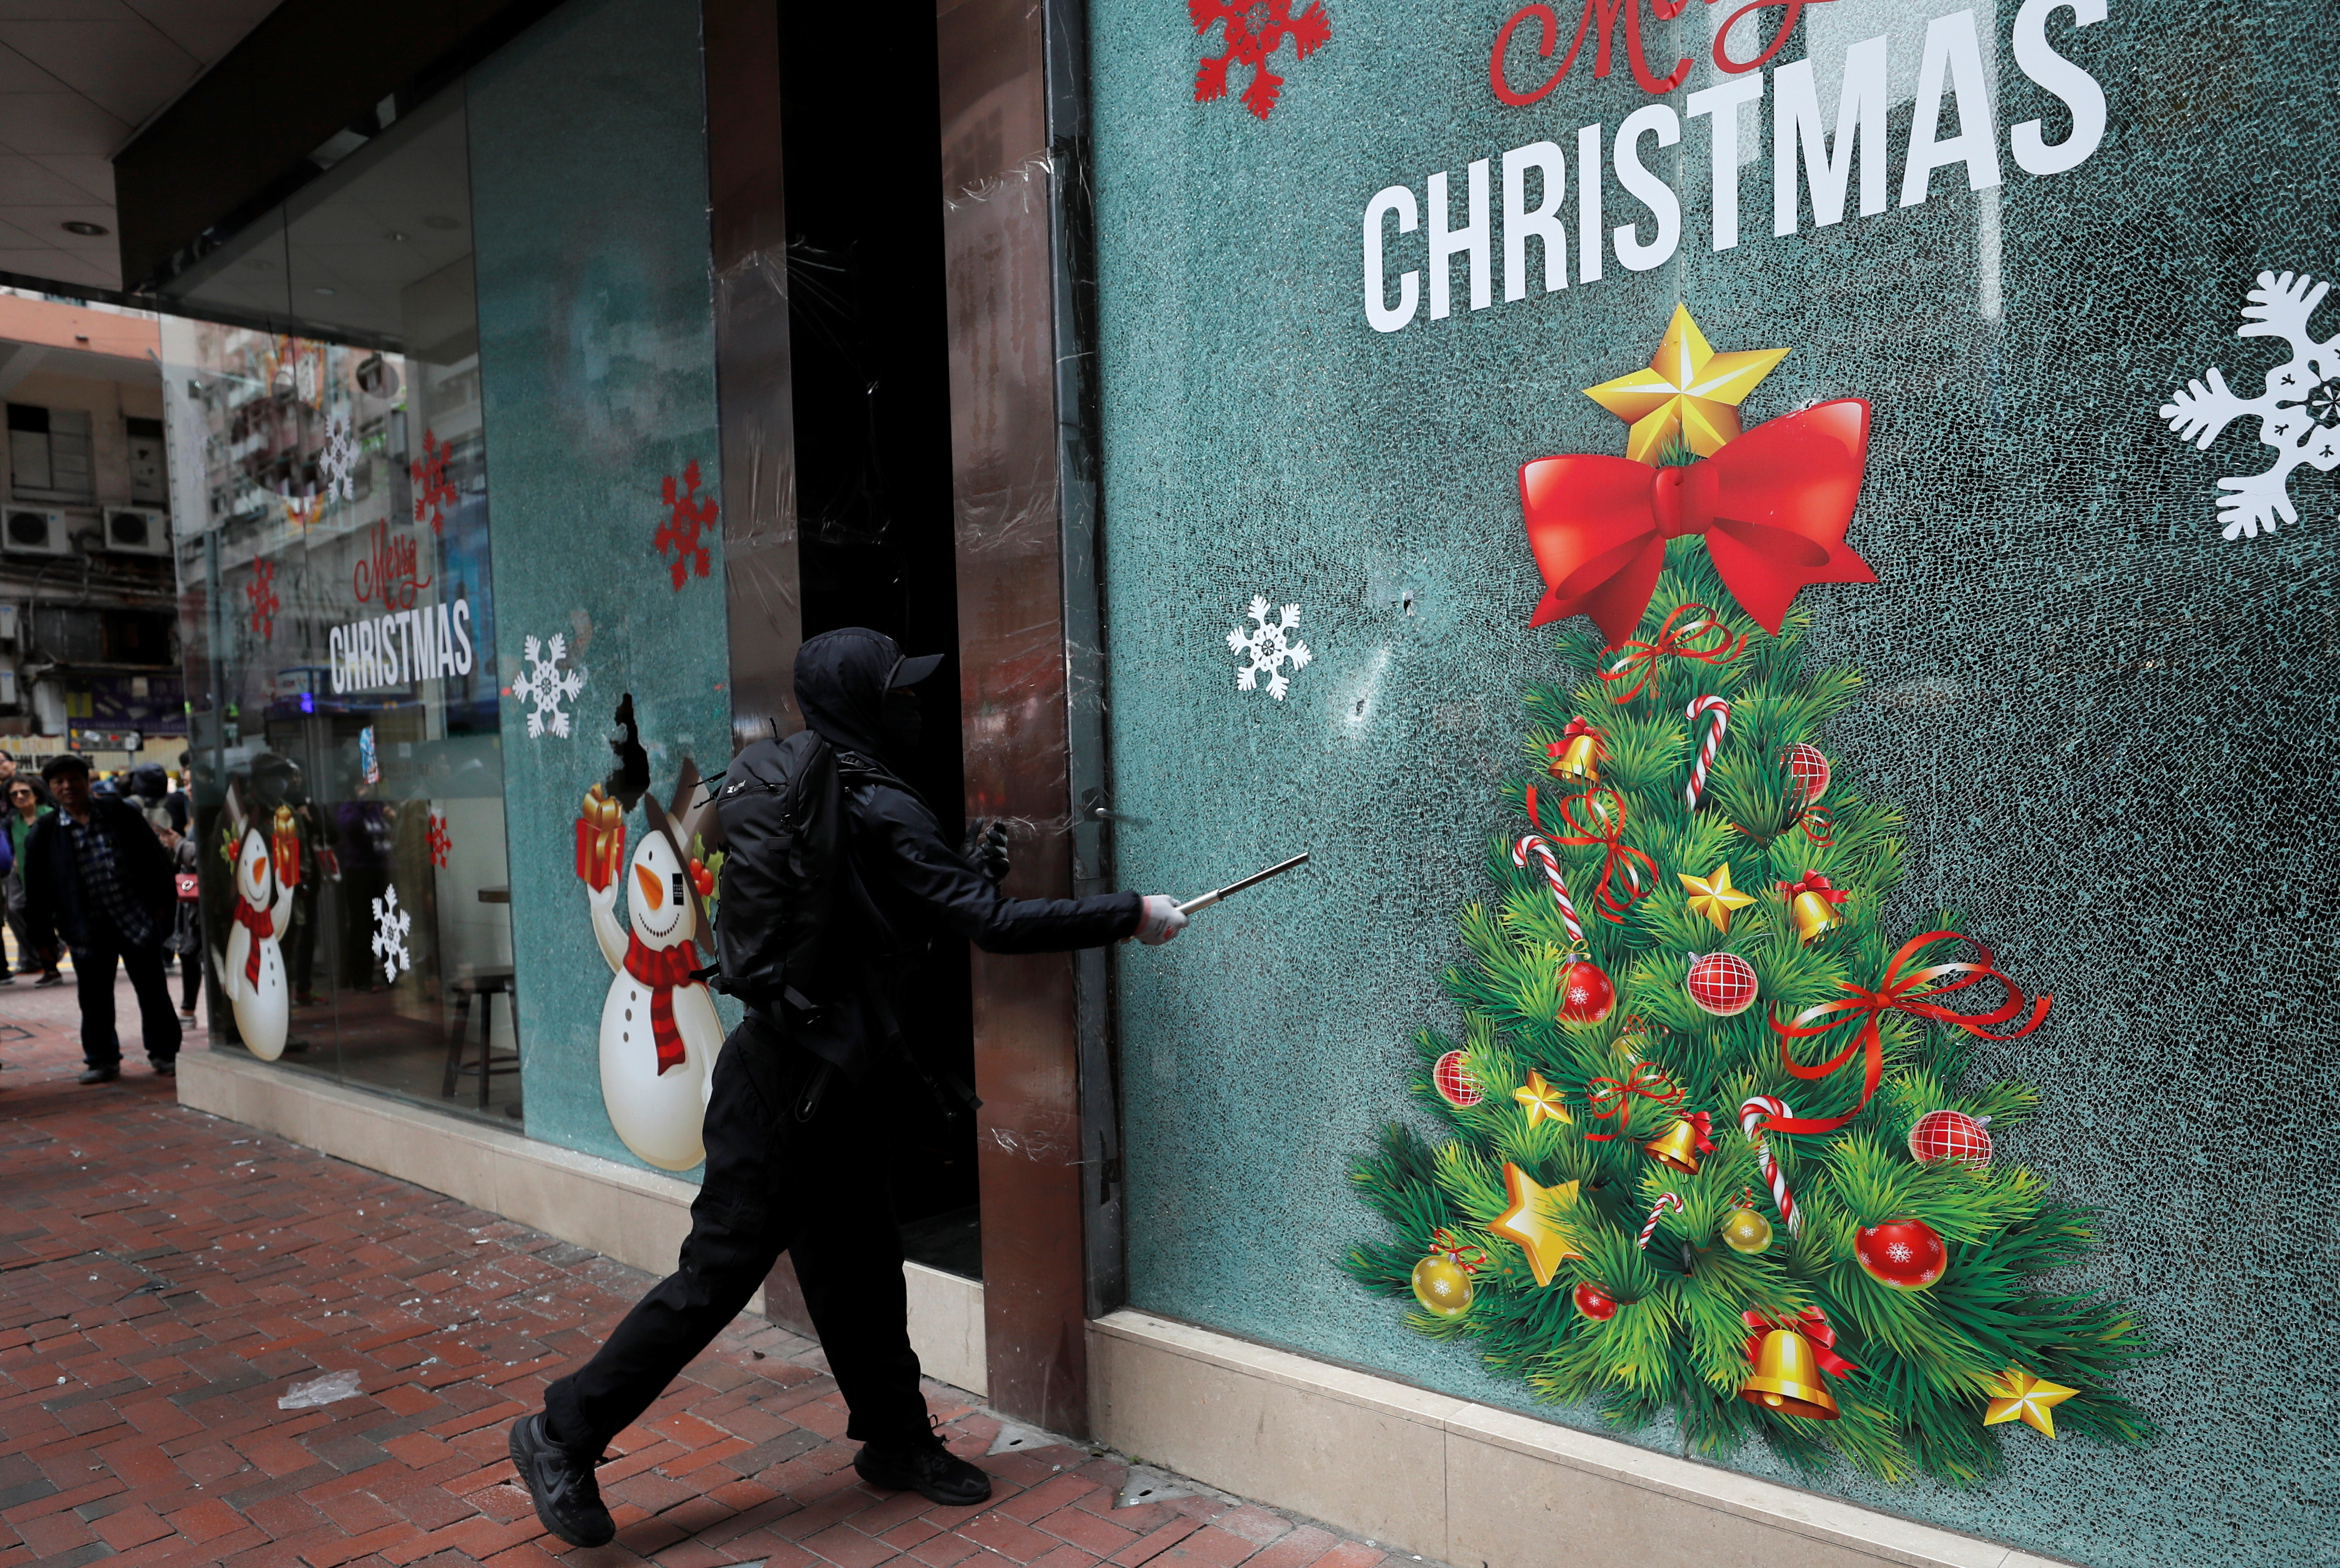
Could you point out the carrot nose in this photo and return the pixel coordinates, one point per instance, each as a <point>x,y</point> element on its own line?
<point>653,889</point>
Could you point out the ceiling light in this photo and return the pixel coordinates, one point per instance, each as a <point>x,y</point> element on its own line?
<point>323,290</point>
<point>395,238</point>
<point>87,230</point>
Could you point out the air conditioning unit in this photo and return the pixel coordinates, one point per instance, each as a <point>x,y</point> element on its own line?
<point>137,531</point>
<point>30,533</point>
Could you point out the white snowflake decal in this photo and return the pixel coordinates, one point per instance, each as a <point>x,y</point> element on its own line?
<point>1268,645</point>
<point>547,686</point>
<point>390,925</point>
<point>338,460</point>
<point>2299,414</point>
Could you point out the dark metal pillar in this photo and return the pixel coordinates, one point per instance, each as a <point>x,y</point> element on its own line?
<point>747,207</point>
<point>1027,650</point>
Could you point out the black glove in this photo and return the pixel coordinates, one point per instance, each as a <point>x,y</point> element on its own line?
<point>987,847</point>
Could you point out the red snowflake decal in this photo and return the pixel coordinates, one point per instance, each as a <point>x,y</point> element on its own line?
<point>433,493</point>
<point>439,841</point>
<point>262,592</point>
<point>687,513</point>
<point>1255,29</point>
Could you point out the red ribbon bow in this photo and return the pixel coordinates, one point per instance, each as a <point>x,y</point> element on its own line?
<point>1615,1097</point>
<point>1813,1325</point>
<point>1702,1125</point>
<point>1608,807</point>
<point>661,969</point>
<point>260,923</point>
<point>1643,657</point>
<point>1900,993</point>
<point>1470,1259</point>
<point>1773,505</point>
<point>1813,882</point>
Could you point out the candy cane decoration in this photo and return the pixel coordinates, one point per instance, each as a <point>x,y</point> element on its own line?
<point>1666,1200</point>
<point>1752,1114</point>
<point>1705,757</point>
<point>1535,844</point>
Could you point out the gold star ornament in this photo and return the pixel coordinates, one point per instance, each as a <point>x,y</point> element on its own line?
<point>2018,1395</point>
<point>1714,897</point>
<point>1542,1101</point>
<point>1689,391</point>
<point>1528,1222</point>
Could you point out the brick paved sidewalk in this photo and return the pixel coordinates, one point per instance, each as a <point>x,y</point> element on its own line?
<point>164,1275</point>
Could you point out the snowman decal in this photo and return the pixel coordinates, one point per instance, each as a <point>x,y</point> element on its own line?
<point>660,1031</point>
<point>266,875</point>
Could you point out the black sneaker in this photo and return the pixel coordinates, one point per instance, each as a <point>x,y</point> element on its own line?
<point>98,1074</point>
<point>568,1499</point>
<point>923,1465</point>
<point>49,978</point>
<point>165,1067</point>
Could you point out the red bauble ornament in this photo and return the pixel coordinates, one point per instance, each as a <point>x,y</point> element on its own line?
<point>1722,983</point>
<point>1594,1303</point>
<point>1903,1253</point>
<point>1942,1135</point>
<point>1454,1083</point>
<point>1586,993</point>
<point>1808,771</point>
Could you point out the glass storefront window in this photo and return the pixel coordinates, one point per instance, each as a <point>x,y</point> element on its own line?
<point>340,627</point>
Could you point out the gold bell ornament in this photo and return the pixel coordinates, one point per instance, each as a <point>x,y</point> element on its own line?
<point>1680,1145</point>
<point>1577,753</point>
<point>1788,1358</point>
<point>1815,905</point>
<point>1441,1280</point>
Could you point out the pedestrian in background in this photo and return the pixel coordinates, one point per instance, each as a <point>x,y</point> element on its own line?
<point>186,938</point>
<point>27,803</point>
<point>96,875</point>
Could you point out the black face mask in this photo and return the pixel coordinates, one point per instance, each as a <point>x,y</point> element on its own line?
<point>902,726</point>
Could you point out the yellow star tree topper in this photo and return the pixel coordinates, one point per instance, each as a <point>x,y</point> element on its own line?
<point>1542,1101</point>
<point>1689,391</point>
<point>1714,897</point>
<point>2018,1395</point>
<point>1528,1222</point>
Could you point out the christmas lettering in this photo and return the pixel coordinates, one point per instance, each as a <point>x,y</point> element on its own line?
<point>388,571</point>
<point>1808,166</point>
<point>428,642</point>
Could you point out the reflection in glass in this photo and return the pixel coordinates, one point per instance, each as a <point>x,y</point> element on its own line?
<point>339,619</point>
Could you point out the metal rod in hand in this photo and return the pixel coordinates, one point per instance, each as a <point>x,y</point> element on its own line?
<point>1207,899</point>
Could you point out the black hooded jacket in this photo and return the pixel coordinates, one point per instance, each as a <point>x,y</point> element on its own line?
<point>918,886</point>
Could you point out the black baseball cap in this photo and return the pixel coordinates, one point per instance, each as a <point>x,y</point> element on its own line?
<point>910,671</point>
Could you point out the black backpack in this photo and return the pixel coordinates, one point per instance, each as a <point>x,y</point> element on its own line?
<point>783,816</point>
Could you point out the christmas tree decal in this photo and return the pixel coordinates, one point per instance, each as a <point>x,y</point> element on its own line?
<point>1708,1143</point>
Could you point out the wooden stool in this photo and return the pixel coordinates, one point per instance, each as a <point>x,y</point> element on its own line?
<point>486,985</point>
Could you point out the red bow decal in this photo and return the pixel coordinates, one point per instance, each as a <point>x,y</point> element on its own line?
<point>1702,1125</point>
<point>1704,639</point>
<point>1614,1097</point>
<point>1773,505</point>
<point>1813,882</point>
<point>1813,1325</point>
<point>1900,993</point>
<point>1608,807</point>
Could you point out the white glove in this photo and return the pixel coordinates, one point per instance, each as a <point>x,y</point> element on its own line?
<point>1163,919</point>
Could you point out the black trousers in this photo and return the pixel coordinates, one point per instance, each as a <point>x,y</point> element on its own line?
<point>147,968</point>
<point>815,1188</point>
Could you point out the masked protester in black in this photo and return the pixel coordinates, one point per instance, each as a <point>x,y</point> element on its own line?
<point>797,1125</point>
